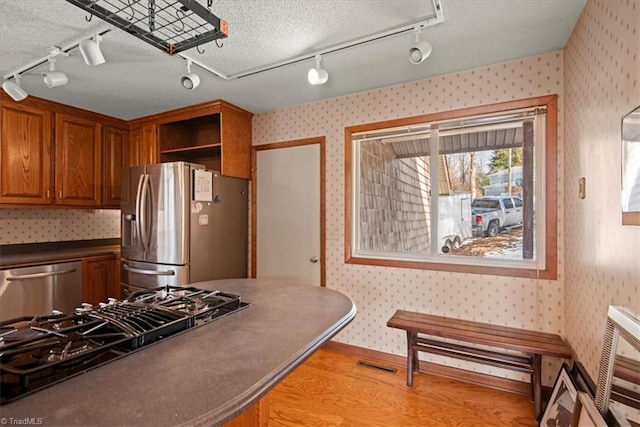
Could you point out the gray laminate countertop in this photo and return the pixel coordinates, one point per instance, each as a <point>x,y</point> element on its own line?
<point>26,254</point>
<point>206,375</point>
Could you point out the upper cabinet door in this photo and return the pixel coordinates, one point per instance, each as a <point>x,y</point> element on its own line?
<point>115,145</point>
<point>78,161</point>
<point>236,142</point>
<point>142,148</point>
<point>25,155</point>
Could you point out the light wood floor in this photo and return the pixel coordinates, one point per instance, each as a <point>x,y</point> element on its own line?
<point>330,389</point>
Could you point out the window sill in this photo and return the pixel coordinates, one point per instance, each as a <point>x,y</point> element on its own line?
<point>547,274</point>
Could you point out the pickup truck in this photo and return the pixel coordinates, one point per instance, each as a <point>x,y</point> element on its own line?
<point>490,214</point>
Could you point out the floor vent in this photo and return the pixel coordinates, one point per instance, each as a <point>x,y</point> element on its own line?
<point>376,366</point>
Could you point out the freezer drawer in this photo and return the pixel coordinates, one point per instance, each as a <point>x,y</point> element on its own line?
<point>148,275</point>
<point>29,291</point>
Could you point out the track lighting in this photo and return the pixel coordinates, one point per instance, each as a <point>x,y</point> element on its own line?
<point>90,50</point>
<point>318,75</point>
<point>190,80</point>
<point>53,78</point>
<point>14,90</point>
<point>420,50</point>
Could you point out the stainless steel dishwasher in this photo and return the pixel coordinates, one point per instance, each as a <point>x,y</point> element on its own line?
<point>27,291</point>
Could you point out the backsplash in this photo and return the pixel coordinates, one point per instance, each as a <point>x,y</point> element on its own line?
<point>52,225</point>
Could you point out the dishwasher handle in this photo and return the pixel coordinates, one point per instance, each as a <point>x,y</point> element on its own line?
<point>40,275</point>
<point>149,272</point>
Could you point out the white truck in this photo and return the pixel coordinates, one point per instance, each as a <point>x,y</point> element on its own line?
<point>491,214</point>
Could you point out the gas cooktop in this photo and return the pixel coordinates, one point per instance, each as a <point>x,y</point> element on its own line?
<point>38,351</point>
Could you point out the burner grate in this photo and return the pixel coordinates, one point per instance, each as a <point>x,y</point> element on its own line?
<point>43,350</point>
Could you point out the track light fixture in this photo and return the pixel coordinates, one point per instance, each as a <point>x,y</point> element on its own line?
<point>53,78</point>
<point>318,75</point>
<point>90,50</point>
<point>14,90</point>
<point>420,50</point>
<point>190,80</point>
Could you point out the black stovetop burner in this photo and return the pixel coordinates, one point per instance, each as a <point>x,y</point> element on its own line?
<point>39,351</point>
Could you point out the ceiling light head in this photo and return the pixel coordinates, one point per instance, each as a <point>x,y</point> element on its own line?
<point>53,78</point>
<point>14,90</point>
<point>420,50</point>
<point>191,80</point>
<point>318,75</point>
<point>90,50</point>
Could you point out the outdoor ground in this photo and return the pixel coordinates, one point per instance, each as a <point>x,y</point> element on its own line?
<point>507,244</point>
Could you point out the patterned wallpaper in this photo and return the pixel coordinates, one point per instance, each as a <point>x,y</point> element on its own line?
<point>53,225</point>
<point>379,291</point>
<point>602,84</point>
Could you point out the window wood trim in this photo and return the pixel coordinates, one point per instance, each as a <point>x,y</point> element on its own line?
<point>551,155</point>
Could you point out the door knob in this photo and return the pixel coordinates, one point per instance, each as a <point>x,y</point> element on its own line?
<point>313,259</point>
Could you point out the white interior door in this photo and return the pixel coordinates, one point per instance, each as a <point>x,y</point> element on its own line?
<point>288,214</point>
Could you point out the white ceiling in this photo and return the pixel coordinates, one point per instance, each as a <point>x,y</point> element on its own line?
<point>138,80</point>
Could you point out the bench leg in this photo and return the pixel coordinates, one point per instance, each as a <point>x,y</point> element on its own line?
<point>411,358</point>
<point>537,384</point>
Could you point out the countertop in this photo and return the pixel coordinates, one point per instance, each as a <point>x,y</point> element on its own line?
<point>14,256</point>
<point>204,376</point>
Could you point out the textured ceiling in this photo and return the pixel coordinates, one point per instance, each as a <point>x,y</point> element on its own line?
<point>138,79</point>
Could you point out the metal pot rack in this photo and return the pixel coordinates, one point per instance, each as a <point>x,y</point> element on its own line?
<point>169,25</point>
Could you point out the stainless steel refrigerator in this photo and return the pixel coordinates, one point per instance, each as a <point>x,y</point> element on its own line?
<point>181,224</point>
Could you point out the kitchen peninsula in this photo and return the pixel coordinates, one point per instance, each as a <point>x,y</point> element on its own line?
<point>205,376</point>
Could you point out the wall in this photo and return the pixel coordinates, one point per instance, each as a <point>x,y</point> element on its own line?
<point>379,291</point>
<point>393,214</point>
<point>52,225</point>
<point>602,84</point>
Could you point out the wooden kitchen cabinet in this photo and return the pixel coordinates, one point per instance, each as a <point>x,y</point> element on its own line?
<point>25,154</point>
<point>100,279</point>
<point>78,161</point>
<point>115,142</point>
<point>257,415</point>
<point>124,149</point>
<point>143,146</point>
<point>217,135</point>
<point>53,155</point>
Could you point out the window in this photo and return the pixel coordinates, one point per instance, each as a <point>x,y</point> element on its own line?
<point>470,190</point>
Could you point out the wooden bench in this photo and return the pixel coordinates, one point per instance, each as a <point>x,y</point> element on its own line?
<point>531,345</point>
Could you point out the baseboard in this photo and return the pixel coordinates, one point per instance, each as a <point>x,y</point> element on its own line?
<point>485,380</point>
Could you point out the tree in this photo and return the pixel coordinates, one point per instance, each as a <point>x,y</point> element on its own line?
<point>473,174</point>
<point>458,165</point>
<point>464,173</point>
<point>500,158</point>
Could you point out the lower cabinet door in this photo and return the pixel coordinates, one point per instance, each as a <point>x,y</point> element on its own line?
<point>101,279</point>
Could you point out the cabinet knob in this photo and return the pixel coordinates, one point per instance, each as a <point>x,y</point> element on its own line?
<point>48,194</point>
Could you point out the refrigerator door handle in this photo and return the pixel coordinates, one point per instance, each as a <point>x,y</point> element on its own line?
<point>137,217</point>
<point>149,272</point>
<point>143,212</point>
